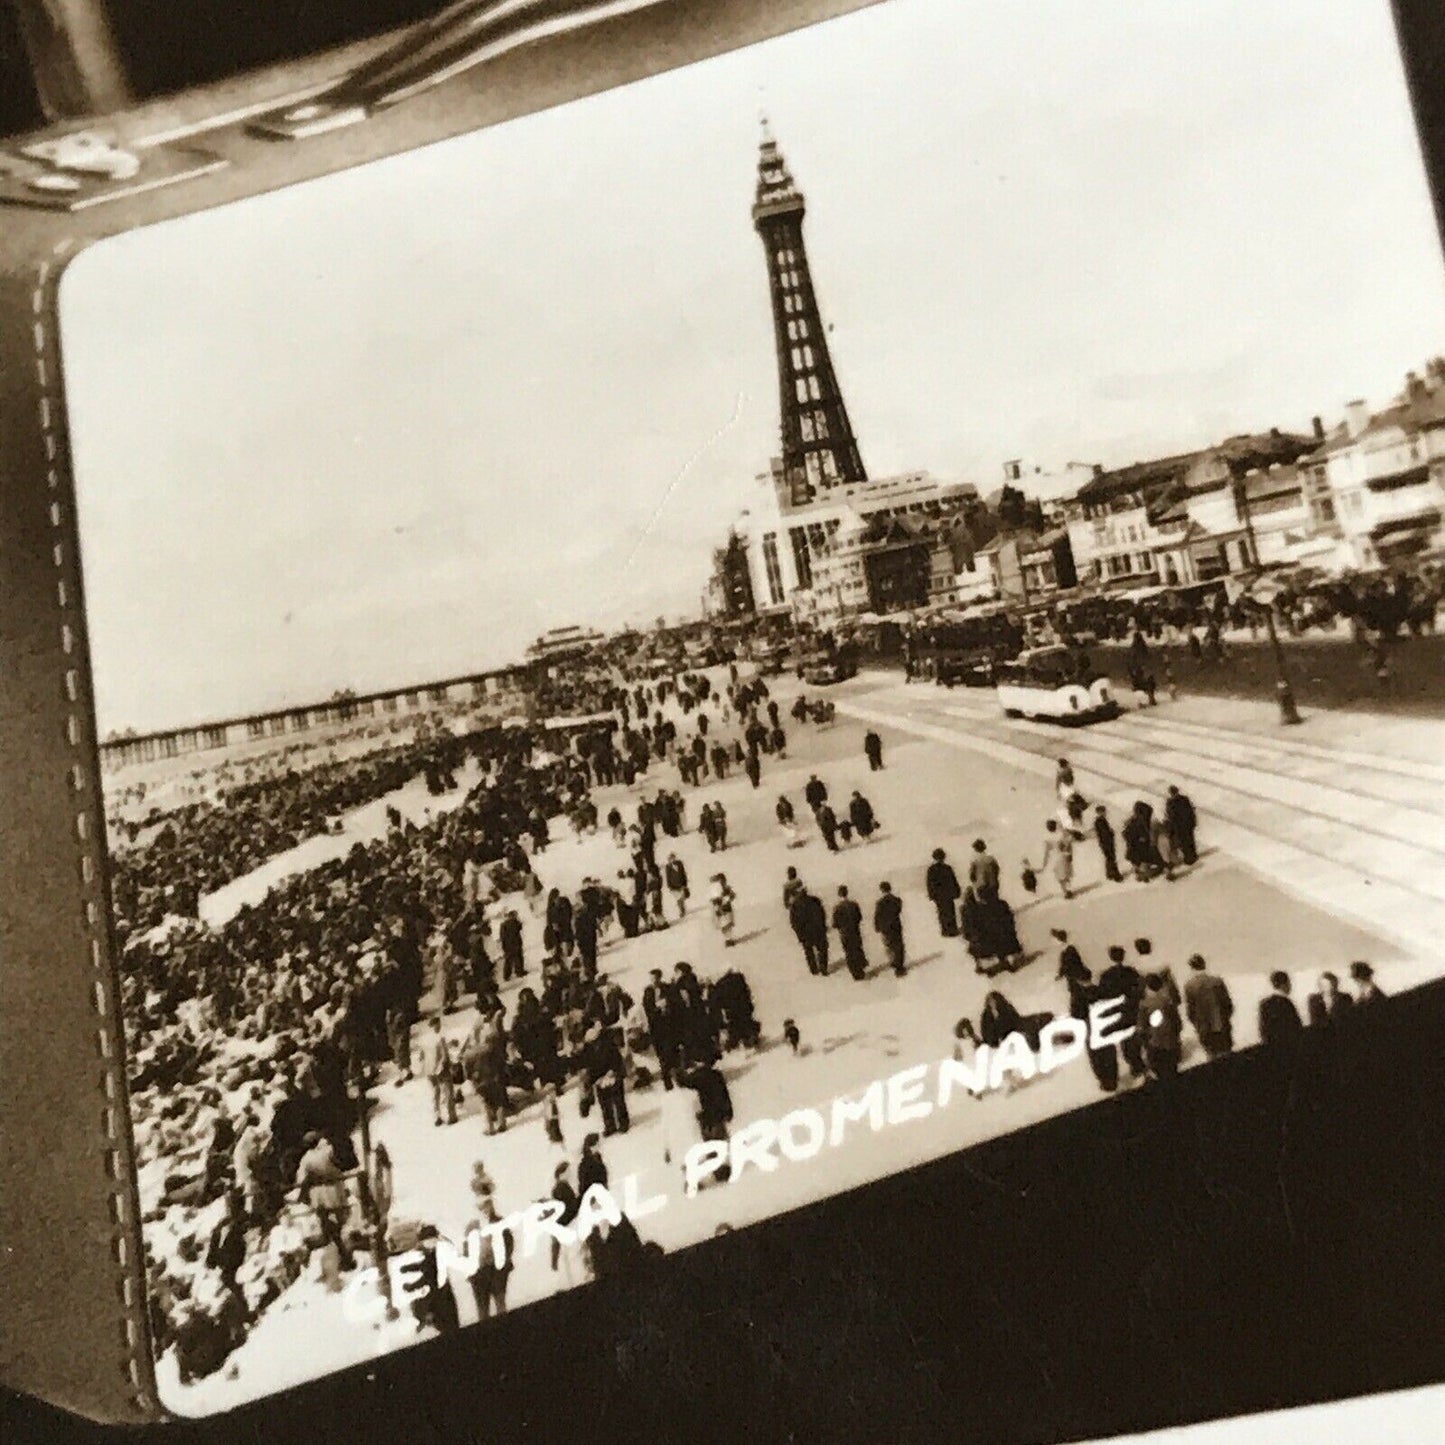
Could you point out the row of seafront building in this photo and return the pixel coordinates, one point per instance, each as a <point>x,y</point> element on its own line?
<point>1365,494</point>
<point>502,690</point>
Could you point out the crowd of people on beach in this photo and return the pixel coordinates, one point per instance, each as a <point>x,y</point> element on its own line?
<point>165,863</point>
<point>254,1043</point>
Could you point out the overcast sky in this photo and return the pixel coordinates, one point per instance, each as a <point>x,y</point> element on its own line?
<point>394,424</point>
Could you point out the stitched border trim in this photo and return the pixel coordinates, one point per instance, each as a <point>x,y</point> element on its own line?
<point>83,791</point>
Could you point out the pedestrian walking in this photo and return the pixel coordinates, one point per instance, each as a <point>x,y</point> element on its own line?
<point>1139,849</point>
<point>941,885</point>
<point>990,932</point>
<point>676,877</point>
<point>1108,844</point>
<point>566,1196</point>
<point>873,750</point>
<point>1209,1008</point>
<point>509,934</point>
<point>1058,850</point>
<point>828,826</point>
<point>888,924</point>
<point>436,1068</point>
<point>788,822</point>
<point>1121,986</point>
<point>498,1259</point>
<point>551,1116</point>
<point>753,767</point>
<point>860,814</point>
<point>721,898</point>
<point>792,887</point>
<point>848,921</point>
<point>809,921</point>
<point>1104,1062</point>
<point>1064,785</point>
<point>715,1108</point>
<point>1182,820</point>
<point>1166,851</point>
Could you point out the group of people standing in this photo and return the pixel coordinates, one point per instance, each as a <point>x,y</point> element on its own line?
<point>977,910</point>
<point>810,921</point>
<point>1145,996</point>
<point>1155,844</point>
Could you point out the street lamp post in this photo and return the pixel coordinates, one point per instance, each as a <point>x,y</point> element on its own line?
<point>1284,693</point>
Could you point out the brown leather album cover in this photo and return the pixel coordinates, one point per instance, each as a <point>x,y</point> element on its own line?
<point>625,624</point>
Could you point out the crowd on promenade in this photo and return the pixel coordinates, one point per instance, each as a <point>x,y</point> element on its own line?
<point>252,1044</point>
<point>255,1046</point>
<point>1160,842</point>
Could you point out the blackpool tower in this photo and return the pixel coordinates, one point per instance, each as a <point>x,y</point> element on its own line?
<point>819,449</point>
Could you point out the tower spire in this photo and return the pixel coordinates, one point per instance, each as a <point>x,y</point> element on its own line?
<point>819,449</point>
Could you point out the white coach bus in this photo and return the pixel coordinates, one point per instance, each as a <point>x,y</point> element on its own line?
<point>1045,682</point>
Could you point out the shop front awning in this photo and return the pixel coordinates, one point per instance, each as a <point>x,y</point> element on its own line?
<point>1410,477</point>
<point>1422,521</point>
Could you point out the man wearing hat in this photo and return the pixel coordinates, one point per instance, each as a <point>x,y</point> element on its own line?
<point>944,893</point>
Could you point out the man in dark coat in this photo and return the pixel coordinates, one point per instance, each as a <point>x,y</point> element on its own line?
<point>1209,1007</point>
<point>873,750</point>
<point>888,924</point>
<point>617,1249</point>
<point>753,768</point>
<point>1180,816</point>
<point>1108,845</point>
<point>714,1107</point>
<point>663,1007</point>
<point>509,933</point>
<point>1121,982</point>
<point>800,922</point>
<point>560,917</point>
<point>605,1072</point>
<point>810,922</point>
<point>848,920</point>
<point>1368,994</point>
<point>591,1167</point>
<point>828,826</point>
<point>1280,1025</point>
<point>815,793</point>
<point>860,814</point>
<point>436,1305</point>
<point>566,1196</point>
<point>1330,1004</point>
<point>944,893</point>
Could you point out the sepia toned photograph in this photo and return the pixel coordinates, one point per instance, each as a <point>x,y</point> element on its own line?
<point>693,651</point>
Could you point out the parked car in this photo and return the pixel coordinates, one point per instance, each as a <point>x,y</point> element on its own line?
<point>823,669</point>
<point>771,661</point>
<point>970,668</point>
